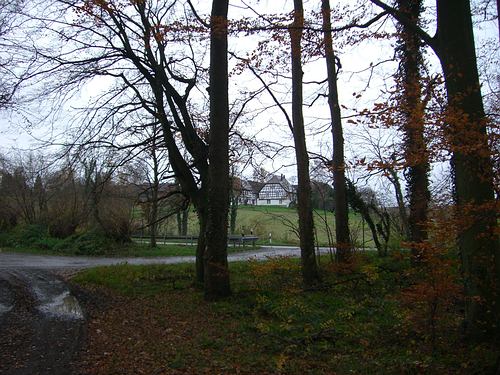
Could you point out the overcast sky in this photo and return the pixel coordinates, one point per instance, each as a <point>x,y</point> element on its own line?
<point>24,129</point>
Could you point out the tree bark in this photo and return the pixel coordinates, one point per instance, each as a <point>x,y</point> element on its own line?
<point>310,272</point>
<point>393,177</point>
<point>234,214</point>
<point>416,154</point>
<point>344,247</point>
<point>184,221</point>
<point>216,267</point>
<point>362,207</point>
<point>201,245</point>
<point>153,219</point>
<point>471,160</point>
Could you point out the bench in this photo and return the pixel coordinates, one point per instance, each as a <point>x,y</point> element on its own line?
<point>241,240</point>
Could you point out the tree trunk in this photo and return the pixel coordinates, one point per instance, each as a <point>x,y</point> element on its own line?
<point>498,17</point>
<point>184,222</point>
<point>416,154</point>
<point>234,214</point>
<point>178,219</point>
<point>216,267</point>
<point>471,162</point>
<point>472,166</point>
<point>360,206</point>
<point>310,272</point>
<point>342,235</point>
<point>153,219</point>
<point>398,191</point>
<point>201,245</point>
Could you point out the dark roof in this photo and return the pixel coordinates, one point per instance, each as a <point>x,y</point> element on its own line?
<point>280,180</point>
<point>256,186</point>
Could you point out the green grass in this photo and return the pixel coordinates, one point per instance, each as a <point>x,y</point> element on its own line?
<point>359,324</point>
<point>280,222</point>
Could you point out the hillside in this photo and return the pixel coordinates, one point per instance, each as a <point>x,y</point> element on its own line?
<point>278,221</point>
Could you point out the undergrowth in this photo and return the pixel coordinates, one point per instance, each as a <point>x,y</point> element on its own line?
<point>36,239</point>
<point>361,321</point>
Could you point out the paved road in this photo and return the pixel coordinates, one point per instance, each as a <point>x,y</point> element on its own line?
<point>50,262</point>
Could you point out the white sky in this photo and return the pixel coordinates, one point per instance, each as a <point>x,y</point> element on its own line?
<point>25,129</point>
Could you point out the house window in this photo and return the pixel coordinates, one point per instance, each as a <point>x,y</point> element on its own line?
<point>268,201</point>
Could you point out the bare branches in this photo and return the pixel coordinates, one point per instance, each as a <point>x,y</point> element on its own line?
<point>400,16</point>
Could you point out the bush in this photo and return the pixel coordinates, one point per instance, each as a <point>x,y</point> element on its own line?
<point>37,237</point>
<point>26,236</point>
<point>87,243</point>
<point>63,226</point>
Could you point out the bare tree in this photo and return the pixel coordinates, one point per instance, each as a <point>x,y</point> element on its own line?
<point>338,163</point>
<point>310,272</point>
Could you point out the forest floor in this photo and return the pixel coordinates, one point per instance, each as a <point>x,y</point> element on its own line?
<point>372,318</point>
<point>152,320</point>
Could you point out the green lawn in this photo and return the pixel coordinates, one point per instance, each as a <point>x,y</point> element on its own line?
<point>281,223</point>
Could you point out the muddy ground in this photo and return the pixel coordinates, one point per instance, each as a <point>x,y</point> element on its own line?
<point>42,327</point>
<point>43,319</point>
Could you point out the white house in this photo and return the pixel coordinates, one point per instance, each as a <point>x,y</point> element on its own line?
<point>275,191</point>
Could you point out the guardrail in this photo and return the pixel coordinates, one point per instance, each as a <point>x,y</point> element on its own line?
<point>231,239</point>
<point>242,240</point>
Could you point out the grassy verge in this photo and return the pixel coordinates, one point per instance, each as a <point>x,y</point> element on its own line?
<point>155,321</point>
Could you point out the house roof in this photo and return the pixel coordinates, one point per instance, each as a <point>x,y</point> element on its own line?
<point>256,186</point>
<point>280,180</point>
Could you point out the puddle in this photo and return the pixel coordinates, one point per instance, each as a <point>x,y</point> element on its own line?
<point>6,298</point>
<point>52,297</point>
<point>4,308</point>
<point>63,306</point>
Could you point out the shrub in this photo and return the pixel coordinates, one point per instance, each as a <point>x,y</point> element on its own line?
<point>87,243</point>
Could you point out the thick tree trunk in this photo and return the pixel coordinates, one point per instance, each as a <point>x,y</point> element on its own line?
<point>189,187</point>
<point>201,245</point>
<point>471,161</point>
<point>343,240</point>
<point>416,154</point>
<point>473,172</point>
<point>216,267</point>
<point>310,272</point>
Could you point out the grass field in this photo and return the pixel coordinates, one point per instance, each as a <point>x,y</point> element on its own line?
<point>282,224</point>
